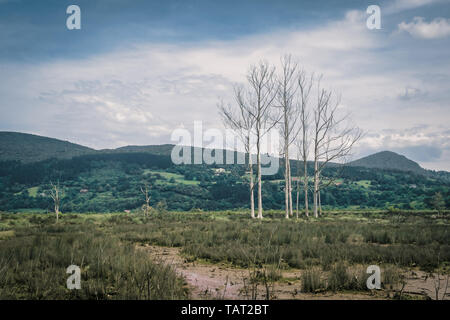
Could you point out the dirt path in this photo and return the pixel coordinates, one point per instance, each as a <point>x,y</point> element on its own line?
<point>219,281</point>
<point>204,280</point>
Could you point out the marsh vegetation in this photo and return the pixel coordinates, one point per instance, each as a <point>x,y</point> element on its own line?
<point>332,252</point>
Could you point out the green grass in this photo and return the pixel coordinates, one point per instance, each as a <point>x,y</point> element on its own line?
<point>332,249</point>
<point>34,257</point>
<point>6,234</point>
<point>358,238</point>
<point>32,192</point>
<point>363,183</point>
<point>168,176</point>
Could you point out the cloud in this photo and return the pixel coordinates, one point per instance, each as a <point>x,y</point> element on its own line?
<point>411,93</point>
<point>438,28</point>
<point>429,145</point>
<point>401,5</point>
<point>139,94</point>
<point>422,153</point>
<point>143,87</point>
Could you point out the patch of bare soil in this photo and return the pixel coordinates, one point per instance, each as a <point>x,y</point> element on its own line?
<point>206,281</point>
<point>433,286</point>
<point>219,281</point>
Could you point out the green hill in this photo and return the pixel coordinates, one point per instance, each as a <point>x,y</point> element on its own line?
<point>388,160</point>
<point>110,180</point>
<point>31,148</point>
<point>162,150</point>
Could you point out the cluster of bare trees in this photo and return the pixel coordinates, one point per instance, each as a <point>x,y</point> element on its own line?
<point>253,117</point>
<point>307,117</point>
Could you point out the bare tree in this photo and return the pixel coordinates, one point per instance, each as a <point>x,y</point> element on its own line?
<point>56,195</point>
<point>297,187</point>
<point>302,141</point>
<point>146,194</point>
<point>260,98</point>
<point>239,119</point>
<point>332,139</point>
<point>437,281</point>
<point>287,102</point>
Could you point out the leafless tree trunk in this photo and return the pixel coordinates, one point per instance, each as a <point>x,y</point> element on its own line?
<point>320,203</point>
<point>332,140</point>
<point>291,210</point>
<point>286,100</point>
<point>298,188</point>
<point>146,194</point>
<point>316,185</point>
<point>298,191</point>
<point>262,92</point>
<point>302,140</point>
<point>252,195</point>
<point>305,186</point>
<point>240,120</point>
<point>55,194</point>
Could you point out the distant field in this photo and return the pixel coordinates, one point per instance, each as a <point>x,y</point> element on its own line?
<point>178,178</point>
<point>32,192</point>
<point>363,183</point>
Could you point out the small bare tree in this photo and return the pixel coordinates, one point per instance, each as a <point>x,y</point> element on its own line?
<point>56,195</point>
<point>302,141</point>
<point>437,281</point>
<point>333,138</point>
<point>239,119</point>
<point>146,206</point>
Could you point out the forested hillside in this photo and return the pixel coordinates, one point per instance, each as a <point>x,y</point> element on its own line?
<point>111,182</point>
<point>31,148</point>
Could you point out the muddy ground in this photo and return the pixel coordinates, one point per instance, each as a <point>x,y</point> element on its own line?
<point>221,281</point>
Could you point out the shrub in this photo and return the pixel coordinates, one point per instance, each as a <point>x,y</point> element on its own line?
<point>391,276</point>
<point>339,279</point>
<point>311,281</point>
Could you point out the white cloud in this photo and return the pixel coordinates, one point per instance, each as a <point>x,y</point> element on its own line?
<point>429,145</point>
<point>395,6</point>
<point>411,93</point>
<point>139,95</point>
<point>420,135</point>
<point>438,28</point>
<point>129,91</point>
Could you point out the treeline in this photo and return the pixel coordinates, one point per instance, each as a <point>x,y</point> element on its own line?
<point>14,172</point>
<point>105,183</point>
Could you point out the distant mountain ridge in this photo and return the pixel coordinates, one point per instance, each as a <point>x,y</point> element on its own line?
<point>388,160</point>
<point>31,148</point>
<point>162,149</point>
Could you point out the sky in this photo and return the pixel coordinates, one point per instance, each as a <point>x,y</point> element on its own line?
<point>138,70</point>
